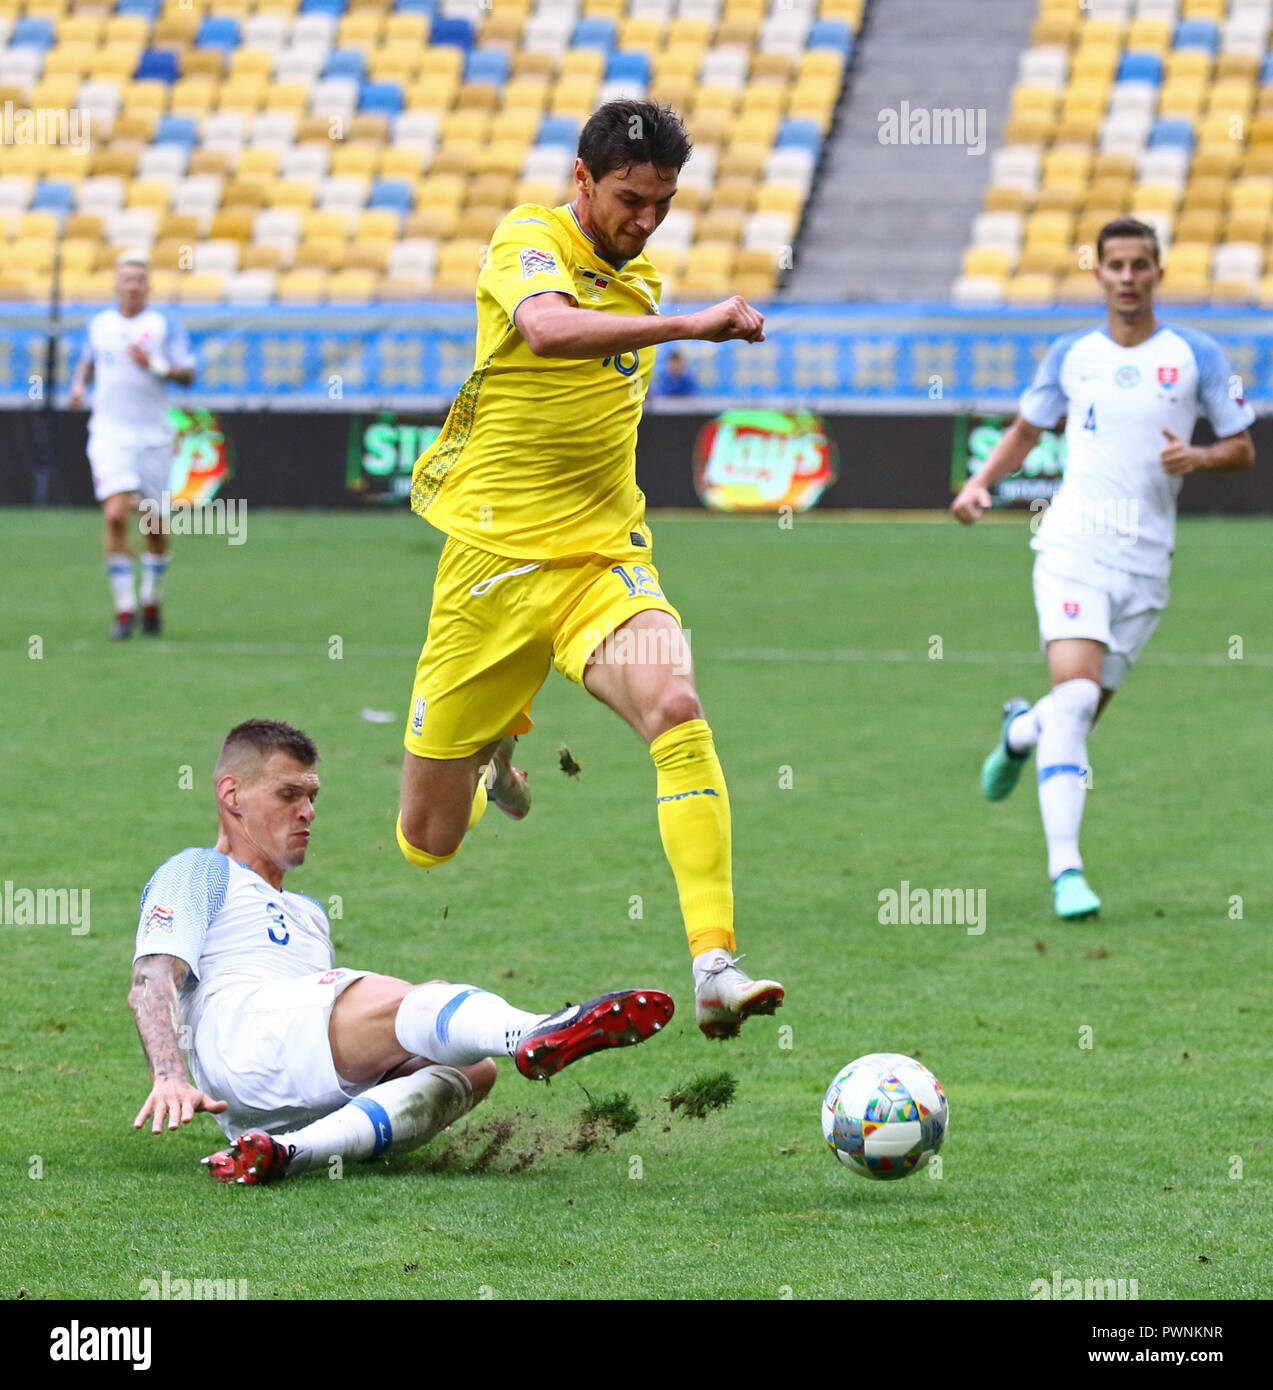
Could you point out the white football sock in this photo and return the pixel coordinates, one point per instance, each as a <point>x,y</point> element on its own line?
<point>123,582</point>
<point>1063,770</point>
<point>153,570</point>
<point>1023,732</point>
<point>460,1024</point>
<point>400,1114</point>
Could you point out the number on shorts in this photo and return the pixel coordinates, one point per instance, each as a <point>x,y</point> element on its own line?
<point>640,580</point>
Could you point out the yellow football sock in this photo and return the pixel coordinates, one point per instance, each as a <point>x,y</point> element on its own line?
<point>421,858</point>
<point>694,823</point>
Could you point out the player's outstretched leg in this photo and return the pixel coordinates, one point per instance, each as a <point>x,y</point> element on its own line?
<point>1002,767</point>
<point>401,1114</point>
<point>1063,775</point>
<point>460,1023</point>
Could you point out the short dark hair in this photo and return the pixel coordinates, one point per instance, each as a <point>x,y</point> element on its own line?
<point>1126,226</point>
<point>263,737</point>
<point>623,133</point>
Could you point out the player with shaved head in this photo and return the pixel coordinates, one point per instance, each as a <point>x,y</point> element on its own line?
<point>234,979</point>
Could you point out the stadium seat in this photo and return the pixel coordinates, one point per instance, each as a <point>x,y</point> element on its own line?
<point>1197,33</point>
<point>157,65</point>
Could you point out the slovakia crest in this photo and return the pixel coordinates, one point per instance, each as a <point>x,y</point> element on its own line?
<point>1168,376</point>
<point>1071,610</point>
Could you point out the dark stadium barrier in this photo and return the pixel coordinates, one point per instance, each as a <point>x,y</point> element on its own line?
<point>345,459</point>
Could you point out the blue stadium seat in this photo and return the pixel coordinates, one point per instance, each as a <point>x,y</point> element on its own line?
<point>157,65</point>
<point>486,65</point>
<point>1197,33</point>
<point>425,7</point>
<point>144,9</point>
<point>831,33</point>
<point>346,62</point>
<point>628,67</point>
<point>1172,133</point>
<point>332,7</point>
<point>1266,72</point>
<point>559,130</point>
<point>1140,67</point>
<point>53,197</point>
<point>218,32</point>
<point>33,33</point>
<point>384,98</point>
<point>795,134</point>
<point>392,194</point>
<point>455,33</point>
<point>178,130</point>
<point>594,33</point>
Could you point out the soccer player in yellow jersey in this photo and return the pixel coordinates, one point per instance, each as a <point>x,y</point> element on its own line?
<point>533,480</point>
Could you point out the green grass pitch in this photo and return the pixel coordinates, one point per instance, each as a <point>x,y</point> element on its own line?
<point>1110,1109</point>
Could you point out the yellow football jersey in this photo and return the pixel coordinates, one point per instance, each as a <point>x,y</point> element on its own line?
<point>537,458</point>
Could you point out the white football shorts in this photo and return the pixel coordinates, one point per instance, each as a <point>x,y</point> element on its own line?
<point>142,468</point>
<point>265,1049</point>
<point>1111,606</point>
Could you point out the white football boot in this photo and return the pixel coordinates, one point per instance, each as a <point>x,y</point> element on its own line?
<point>507,786</point>
<point>724,996</point>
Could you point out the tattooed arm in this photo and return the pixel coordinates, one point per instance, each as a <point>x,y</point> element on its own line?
<point>156,1009</point>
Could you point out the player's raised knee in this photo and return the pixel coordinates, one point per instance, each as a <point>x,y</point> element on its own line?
<point>481,1077</point>
<point>425,842</point>
<point>677,705</point>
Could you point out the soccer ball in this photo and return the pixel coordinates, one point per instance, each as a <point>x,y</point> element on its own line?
<point>884,1115</point>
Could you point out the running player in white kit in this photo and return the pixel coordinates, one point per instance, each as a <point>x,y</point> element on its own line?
<point>1131,393</point>
<point>301,1062</point>
<point>130,354</point>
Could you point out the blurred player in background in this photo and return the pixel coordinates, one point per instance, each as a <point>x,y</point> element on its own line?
<point>298,1061</point>
<point>533,480</point>
<point>130,354</point>
<point>1131,393</point>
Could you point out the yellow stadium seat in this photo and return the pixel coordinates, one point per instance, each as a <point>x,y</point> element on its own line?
<point>676,92</point>
<point>1206,193</point>
<point>641,35</point>
<point>258,162</point>
<point>442,63</point>
<point>171,253</point>
<point>34,254</point>
<point>1258,161</point>
<point>987,260</point>
<point>114,62</point>
<point>723,225</point>
<point>781,67</point>
<point>301,287</point>
<point>405,162</point>
<point>148,193</point>
<point>321,224</point>
<point>126,28</point>
<point>431,222</point>
<point>1048,258</point>
<point>765,96</point>
<point>1232,95</point>
<point>587,63</point>
<point>697,32</point>
<point>376,225</point>
<point>248,62</point>
<point>754,128</point>
<point>1036,128</point>
<point>1189,258</point>
<point>370,255</point>
<point>68,60</point>
<point>742,161</point>
<point>208,162</point>
<point>408,30</point>
<point>1238,65</point>
<point>1200,225</point>
<point>477,96</point>
<point>245,93</point>
<point>533,65</point>
<point>352,286</point>
<point>121,163</point>
<point>1154,197</point>
<point>203,62</point>
<point>356,159</point>
<point>320,253</point>
<point>400,65</point>
<point>1060,197</point>
<point>1079,287</point>
<point>679,60</point>
<point>501,29</point>
<point>1187,64</point>
<point>502,157</point>
<point>1204,9</point>
<point>287,96</point>
<point>1220,126</point>
<point>1026,99</point>
<point>1216,159</point>
<point>175,28</point>
<point>465,125</point>
<point>1048,226</point>
<point>1065,165</point>
<point>1031,289</point>
<point>479,223</point>
<point>999,199</point>
<point>146,96</point>
<point>247,194</point>
<point>1265,292</point>
<point>359,29</point>
<point>1148,36</point>
<point>86,28</point>
<point>545,194</point>
<point>739,32</point>
<point>778,198</point>
<point>194,96</point>
<point>37,226</point>
<point>1079,128</point>
<point>1183,289</point>
<point>1249,224</point>
<point>604,9</point>
<point>293,193</point>
<point>1251,195</point>
<point>178,226</point>
<point>1095,61</point>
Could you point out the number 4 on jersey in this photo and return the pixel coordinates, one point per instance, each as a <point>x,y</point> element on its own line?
<point>1090,422</point>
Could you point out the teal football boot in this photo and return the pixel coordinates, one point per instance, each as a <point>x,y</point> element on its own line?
<point>1000,771</point>
<point>1073,899</point>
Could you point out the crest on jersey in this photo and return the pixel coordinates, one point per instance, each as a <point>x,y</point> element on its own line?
<point>1168,376</point>
<point>417,715</point>
<point>1071,610</point>
<point>1127,377</point>
<point>537,262</point>
<point>159,919</point>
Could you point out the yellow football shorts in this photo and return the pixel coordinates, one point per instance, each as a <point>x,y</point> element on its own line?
<point>495,627</point>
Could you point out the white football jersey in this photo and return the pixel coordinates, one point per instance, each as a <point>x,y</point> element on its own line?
<point>229,926</point>
<point>130,403</point>
<point>1117,503</point>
